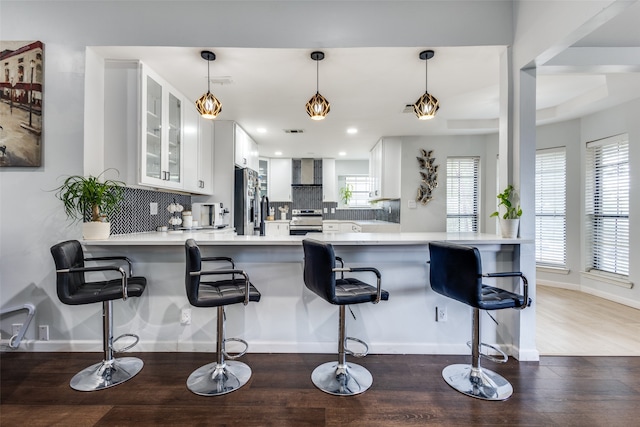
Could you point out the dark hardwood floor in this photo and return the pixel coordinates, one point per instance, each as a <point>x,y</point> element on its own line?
<point>407,390</point>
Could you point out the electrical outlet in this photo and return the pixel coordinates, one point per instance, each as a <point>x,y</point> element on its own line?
<point>153,208</point>
<point>185,316</point>
<point>441,314</point>
<point>43,332</point>
<point>15,328</point>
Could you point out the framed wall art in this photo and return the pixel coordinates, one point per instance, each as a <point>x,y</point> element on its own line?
<point>21,89</point>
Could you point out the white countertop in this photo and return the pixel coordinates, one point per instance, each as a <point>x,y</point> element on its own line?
<point>209,237</point>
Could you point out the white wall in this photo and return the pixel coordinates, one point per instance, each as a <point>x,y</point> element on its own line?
<point>433,216</point>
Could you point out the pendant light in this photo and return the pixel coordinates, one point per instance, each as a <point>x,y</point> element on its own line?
<point>427,105</point>
<point>317,107</point>
<point>208,105</point>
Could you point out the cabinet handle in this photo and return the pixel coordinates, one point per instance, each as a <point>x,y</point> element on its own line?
<point>244,160</point>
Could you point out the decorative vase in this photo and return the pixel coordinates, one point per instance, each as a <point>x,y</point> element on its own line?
<point>283,216</point>
<point>96,230</point>
<point>509,228</point>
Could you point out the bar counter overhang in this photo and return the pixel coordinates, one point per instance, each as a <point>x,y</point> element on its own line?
<point>290,319</point>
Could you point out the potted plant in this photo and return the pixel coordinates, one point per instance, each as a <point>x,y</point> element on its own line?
<point>510,220</point>
<point>91,200</point>
<point>346,193</point>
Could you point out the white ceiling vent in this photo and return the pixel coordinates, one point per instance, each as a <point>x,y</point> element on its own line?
<point>221,80</point>
<point>293,130</point>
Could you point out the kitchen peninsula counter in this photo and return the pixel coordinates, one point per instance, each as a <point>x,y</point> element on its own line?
<point>289,318</point>
<point>205,237</point>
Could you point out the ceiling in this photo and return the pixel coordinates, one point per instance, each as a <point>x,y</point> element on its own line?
<point>369,89</point>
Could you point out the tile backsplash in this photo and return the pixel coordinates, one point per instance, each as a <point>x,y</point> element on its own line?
<point>134,215</point>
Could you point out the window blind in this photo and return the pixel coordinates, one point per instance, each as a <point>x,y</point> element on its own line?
<point>463,193</point>
<point>607,205</point>
<point>551,229</point>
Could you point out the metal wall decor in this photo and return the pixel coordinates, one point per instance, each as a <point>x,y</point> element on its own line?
<point>428,175</point>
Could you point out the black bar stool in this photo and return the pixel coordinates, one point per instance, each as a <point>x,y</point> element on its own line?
<point>221,376</point>
<point>73,289</point>
<point>339,378</point>
<point>456,272</point>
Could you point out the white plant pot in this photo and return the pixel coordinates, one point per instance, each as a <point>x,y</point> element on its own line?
<point>96,230</point>
<point>509,228</point>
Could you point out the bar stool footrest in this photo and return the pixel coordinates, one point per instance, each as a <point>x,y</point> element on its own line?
<point>503,359</point>
<point>351,353</point>
<point>237,355</point>
<point>127,347</point>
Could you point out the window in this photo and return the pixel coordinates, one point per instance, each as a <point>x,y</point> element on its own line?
<point>463,193</point>
<point>359,186</point>
<point>551,222</point>
<point>607,205</point>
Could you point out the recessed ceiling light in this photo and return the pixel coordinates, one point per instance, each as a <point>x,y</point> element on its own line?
<point>352,131</point>
<point>278,153</point>
<point>261,130</point>
<point>342,153</point>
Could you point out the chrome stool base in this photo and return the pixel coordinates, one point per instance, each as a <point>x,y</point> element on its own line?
<point>341,380</point>
<point>477,382</point>
<point>106,374</point>
<point>214,379</point>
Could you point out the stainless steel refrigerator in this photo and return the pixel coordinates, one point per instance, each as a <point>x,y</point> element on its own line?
<point>246,213</point>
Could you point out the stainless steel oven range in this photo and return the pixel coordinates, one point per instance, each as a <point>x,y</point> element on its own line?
<point>304,221</point>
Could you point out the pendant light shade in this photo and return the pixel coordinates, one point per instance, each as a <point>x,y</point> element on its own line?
<point>208,105</point>
<point>318,107</point>
<point>427,105</point>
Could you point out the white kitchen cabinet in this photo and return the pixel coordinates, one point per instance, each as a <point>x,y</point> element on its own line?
<point>330,227</point>
<point>161,147</point>
<point>246,149</point>
<point>340,227</point>
<point>280,180</point>
<point>276,228</point>
<point>198,152</point>
<point>349,227</point>
<point>384,169</point>
<point>329,193</point>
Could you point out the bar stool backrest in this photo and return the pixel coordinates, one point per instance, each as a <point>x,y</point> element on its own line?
<point>456,272</point>
<point>67,255</point>
<point>193,264</point>
<point>319,262</point>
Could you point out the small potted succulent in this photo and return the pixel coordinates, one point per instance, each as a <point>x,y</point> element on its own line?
<point>91,200</point>
<point>510,220</point>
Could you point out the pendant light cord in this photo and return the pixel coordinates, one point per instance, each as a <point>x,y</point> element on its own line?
<point>317,76</point>
<point>426,75</point>
<point>208,76</point>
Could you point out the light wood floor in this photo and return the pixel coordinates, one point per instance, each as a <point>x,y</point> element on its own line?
<point>572,323</point>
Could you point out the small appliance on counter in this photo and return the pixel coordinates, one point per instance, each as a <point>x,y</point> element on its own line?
<point>210,215</point>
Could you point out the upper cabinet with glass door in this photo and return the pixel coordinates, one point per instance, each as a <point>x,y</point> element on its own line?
<point>161,143</point>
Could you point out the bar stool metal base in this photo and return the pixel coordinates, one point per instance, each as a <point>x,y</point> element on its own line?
<point>215,379</point>
<point>341,380</point>
<point>477,382</point>
<point>106,374</point>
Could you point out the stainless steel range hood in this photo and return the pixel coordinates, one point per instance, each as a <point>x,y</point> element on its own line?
<point>307,172</point>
